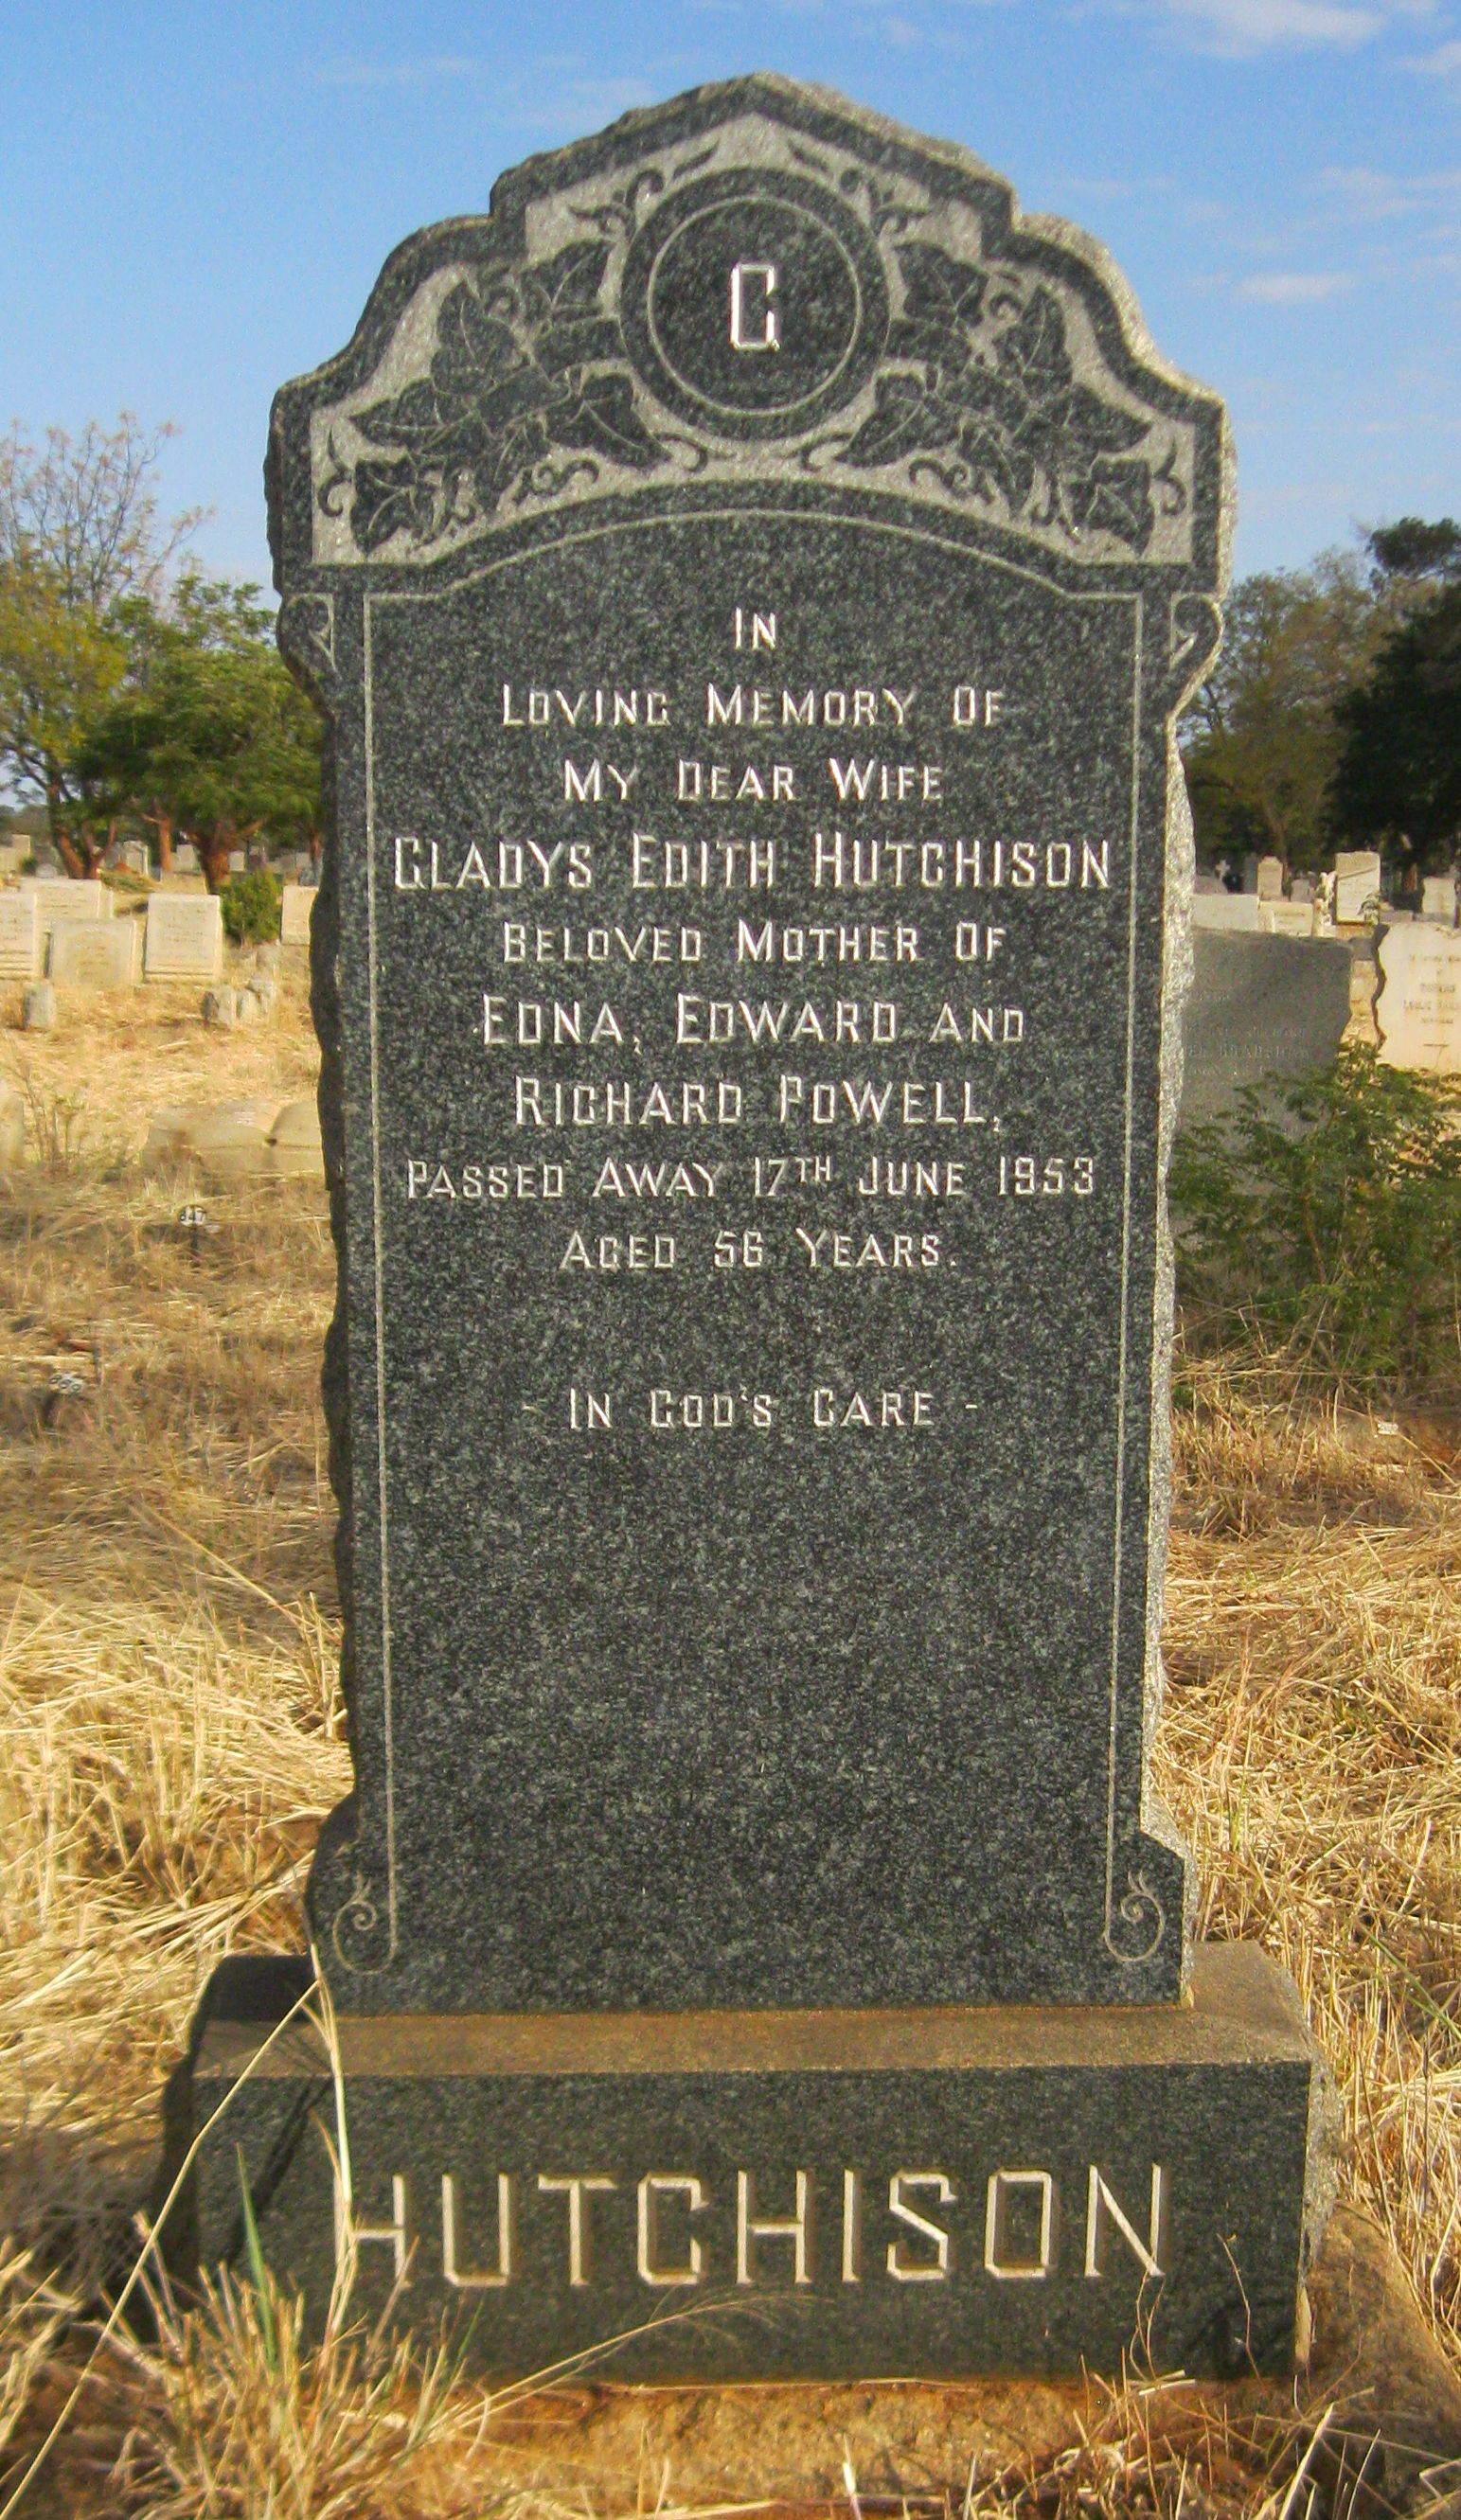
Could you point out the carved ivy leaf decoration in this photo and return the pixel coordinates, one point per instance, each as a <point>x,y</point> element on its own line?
<point>991,407</point>
<point>941,304</point>
<point>518,368</point>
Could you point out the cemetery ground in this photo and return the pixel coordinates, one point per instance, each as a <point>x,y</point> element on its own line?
<point>173,1737</point>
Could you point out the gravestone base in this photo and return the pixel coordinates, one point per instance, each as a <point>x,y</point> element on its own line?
<point>941,2192</point>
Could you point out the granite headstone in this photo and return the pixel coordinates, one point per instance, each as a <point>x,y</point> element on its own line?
<point>1259,1007</point>
<point>751,577</point>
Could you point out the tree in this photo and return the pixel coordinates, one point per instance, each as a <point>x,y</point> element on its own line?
<point>81,537</point>
<point>210,736</point>
<point>1398,778</point>
<point>85,509</point>
<point>1262,739</point>
<point>59,664</point>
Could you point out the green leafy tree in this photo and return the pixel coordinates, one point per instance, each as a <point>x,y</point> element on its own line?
<point>1262,741</point>
<point>1398,777</point>
<point>210,736</point>
<point>81,537</point>
<point>60,664</point>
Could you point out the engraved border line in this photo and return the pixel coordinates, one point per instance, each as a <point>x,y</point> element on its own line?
<point>487,565</point>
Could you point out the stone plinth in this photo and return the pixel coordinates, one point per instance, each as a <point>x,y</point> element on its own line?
<point>928,2192</point>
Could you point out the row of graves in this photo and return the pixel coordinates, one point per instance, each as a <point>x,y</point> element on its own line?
<point>85,935</point>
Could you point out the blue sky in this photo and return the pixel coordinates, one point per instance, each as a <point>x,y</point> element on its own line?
<point>197,197</point>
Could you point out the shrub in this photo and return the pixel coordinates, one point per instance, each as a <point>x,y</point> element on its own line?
<point>1325,1215</point>
<point>251,908</point>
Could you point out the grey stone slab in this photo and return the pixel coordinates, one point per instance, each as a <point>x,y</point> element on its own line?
<point>1259,1007</point>
<point>755,1488</point>
<point>969,2190</point>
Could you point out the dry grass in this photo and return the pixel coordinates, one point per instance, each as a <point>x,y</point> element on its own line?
<point>166,1691</point>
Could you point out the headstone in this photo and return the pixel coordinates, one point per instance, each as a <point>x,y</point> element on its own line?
<point>229,1139</point>
<point>751,1045</point>
<point>20,935</point>
<point>297,906</point>
<point>237,861</point>
<point>294,1143</point>
<point>59,902</point>
<point>1356,885</point>
<point>184,857</point>
<point>1234,912</point>
<point>1268,881</point>
<point>184,936</point>
<point>1289,917</point>
<point>97,954</point>
<point>1301,888</point>
<point>1419,1006</point>
<point>136,857</point>
<point>1259,1007</point>
<point>1439,898</point>
<point>220,1006</point>
<point>38,1008</point>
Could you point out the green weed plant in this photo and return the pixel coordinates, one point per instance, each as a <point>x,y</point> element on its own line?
<point>1322,1217</point>
<point>251,908</point>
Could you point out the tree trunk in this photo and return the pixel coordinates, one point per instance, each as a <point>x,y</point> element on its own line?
<point>162,825</point>
<point>212,856</point>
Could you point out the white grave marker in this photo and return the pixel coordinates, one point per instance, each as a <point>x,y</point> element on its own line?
<point>296,911</point>
<point>1439,898</point>
<point>90,954</point>
<point>184,937</point>
<point>20,936</point>
<point>1357,884</point>
<point>1419,1006</point>
<point>1269,884</point>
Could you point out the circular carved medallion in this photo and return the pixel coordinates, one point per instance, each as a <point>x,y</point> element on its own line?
<point>753,304</point>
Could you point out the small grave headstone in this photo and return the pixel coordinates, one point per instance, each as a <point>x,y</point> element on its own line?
<point>1301,888</point>
<point>220,1006</point>
<point>184,857</point>
<point>20,935</point>
<point>1259,1007</point>
<point>1289,917</point>
<point>295,910</point>
<point>1419,1006</point>
<point>60,902</point>
<point>38,1008</point>
<point>1356,885</point>
<point>294,1143</point>
<point>1439,898</point>
<point>749,1063</point>
<point>1232,913</point>
<point>1269,879</point>
<point>237,861</point>
<point>99,954</point>
<point>184,936</point>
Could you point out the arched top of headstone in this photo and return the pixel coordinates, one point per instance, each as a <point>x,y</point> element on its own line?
<point>754,287</point>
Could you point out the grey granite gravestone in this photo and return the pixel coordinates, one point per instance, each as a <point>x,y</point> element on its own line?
<point>1259,1007</point>
<point>750,578</point>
